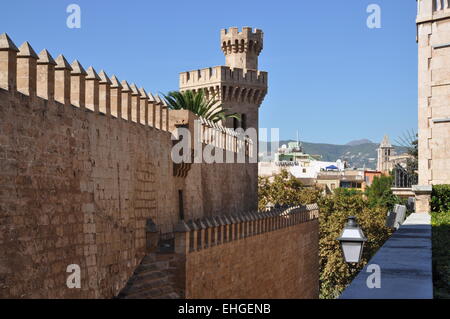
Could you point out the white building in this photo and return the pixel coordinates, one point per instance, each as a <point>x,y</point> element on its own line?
<point>299,164</point>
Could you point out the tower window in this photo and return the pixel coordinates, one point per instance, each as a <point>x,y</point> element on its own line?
<point>244,121</point>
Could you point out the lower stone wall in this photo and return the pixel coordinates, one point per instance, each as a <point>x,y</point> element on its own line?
<point>281,263</point>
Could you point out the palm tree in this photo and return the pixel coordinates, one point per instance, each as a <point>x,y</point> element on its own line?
<point>199,104</point>
<point>411,142</point>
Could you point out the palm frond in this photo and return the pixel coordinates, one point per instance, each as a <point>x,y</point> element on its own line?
<point>198,103</point>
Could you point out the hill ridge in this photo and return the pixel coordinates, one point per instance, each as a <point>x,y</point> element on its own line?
<point>359,156</point>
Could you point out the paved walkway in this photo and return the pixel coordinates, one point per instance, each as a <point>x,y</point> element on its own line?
<point>405,263</point>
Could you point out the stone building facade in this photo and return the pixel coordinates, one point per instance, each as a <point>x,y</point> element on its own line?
<point>87,177</point>
<point>387,157</point>
<point>433,37</point>
<point>384,152</point>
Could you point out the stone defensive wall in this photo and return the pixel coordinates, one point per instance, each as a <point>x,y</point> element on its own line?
<point>270,254</point>
<point>85,164</point>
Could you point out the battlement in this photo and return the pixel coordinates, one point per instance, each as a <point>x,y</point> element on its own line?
<point>200,234</point>
<point>247,40</point>
<point>242,48</point>
<point>246,31</point>
<point>227,84</point>
<point>223,75</point>
<point>41,77</point>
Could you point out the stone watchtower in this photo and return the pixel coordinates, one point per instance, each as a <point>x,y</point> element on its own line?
<point>385,151</point>
<point>239,85</point>
<point>242,49</point>
<point>433,37</point>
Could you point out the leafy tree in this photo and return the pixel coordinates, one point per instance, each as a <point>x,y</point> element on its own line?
<point>197,102</point>
<point>379,194</point>
<point>440,198</point>
<point>285,189</point>
<point>335,273</point>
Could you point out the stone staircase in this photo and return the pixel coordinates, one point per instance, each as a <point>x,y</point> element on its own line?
<point>152,279</point>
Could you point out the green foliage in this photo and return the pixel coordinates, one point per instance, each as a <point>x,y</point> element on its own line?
<point>441,257</point>
<point>379,194</point>
<point>440,198</point>
<point>199,104</point>
<point>347,191</point>
<point>335,273</point>
<point>285,189</point>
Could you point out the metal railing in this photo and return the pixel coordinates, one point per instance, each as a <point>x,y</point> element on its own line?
<point>402,178</point>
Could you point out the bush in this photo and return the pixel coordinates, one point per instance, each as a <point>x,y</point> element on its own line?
<point>441,257</point>
<point>335,273</point>
<point>285,189</point>
<point>380,193</point>
<point>440,198</point>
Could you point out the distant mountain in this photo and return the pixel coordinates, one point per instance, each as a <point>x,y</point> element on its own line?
<point>359,155</point>
<point>359,142</point>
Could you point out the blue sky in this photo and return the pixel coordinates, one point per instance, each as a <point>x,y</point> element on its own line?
<point>331,77</point>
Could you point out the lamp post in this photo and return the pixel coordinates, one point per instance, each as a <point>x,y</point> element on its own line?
<point>352,241</point>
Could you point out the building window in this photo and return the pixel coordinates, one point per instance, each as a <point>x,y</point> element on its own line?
<point>346,184</point>
<point>304,170</point>
<point>235,123</point>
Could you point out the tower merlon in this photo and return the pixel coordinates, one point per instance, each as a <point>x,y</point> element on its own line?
<point>222,75</point>
<point>245,31</point>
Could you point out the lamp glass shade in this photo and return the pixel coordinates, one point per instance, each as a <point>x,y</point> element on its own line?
<point>352,251</point>
<point>352,241</point>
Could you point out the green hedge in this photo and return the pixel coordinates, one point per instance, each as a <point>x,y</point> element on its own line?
<point>441,257</point>
<point>440,198</point>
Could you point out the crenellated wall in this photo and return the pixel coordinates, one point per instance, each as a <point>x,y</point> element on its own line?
<point>223,74</point>
<point>85,162</point>
<point>270,254</point>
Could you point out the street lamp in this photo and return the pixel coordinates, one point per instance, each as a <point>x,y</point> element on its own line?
<point>352,241</point>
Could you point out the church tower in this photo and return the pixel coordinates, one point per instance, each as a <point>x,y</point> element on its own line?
<point>385,151</point>
<point>433,38</point>
<point>239,85</point>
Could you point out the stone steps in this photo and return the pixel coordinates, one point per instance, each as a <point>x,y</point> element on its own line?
<point>151,279</point>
